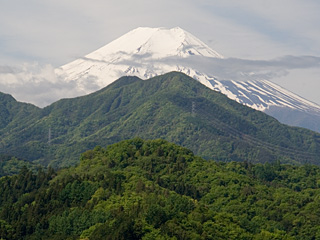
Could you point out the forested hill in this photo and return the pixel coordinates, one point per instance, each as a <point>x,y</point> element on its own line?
<point>154,189</point>
<point>12,113</point>
<point>173,106</point>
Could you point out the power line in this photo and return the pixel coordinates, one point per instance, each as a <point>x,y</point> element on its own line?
<point>49,136</point>
<point>193,108</point>
<point>293,153</point>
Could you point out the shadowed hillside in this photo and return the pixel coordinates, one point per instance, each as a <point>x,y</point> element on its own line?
<point>173,106</point>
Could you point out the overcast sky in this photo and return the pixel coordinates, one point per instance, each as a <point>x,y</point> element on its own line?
<point>38,35</point>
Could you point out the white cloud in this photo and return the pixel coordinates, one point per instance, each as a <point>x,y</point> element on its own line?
<point>232,68</point>
<point>35,84</point>
<point>38,84</point>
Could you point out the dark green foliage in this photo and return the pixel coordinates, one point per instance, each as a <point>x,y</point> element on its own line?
<point>72,222</point>
<point>77,193</point>
<point>173,106</point>
<point>12,112</point>
<point>11,165</point>
<point>153,189</point>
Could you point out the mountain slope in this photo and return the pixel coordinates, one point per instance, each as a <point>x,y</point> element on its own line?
<point>148,52</point>
<point>174,107</point>
<point>274,100</point>
<point>12,111</point>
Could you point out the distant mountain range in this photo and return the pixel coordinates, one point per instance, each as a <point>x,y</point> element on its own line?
<point>149,52</point>
<point>173,106</point>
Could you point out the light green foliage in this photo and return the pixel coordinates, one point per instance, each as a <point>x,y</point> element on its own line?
<point>154,189</point>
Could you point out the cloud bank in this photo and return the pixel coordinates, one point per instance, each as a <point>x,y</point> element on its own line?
<point>38,84</point>
<point>244,70</point>
<point>234,68</point>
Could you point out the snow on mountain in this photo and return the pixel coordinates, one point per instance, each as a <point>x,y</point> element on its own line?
<point>147,52</point>
<point>263,94</point>
<point>138,53</point>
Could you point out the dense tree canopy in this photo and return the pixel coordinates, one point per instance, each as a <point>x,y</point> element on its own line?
<point>10,165</point>
<point>153,189</point>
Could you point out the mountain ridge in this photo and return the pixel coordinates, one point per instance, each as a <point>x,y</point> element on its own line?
<point>174,107</point>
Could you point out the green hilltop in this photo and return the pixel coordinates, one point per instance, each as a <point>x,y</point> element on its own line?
<point>153,189</point>
<point>173,107</point>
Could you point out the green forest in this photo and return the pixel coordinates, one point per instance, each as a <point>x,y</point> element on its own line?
<point>154,189</point>
<point>173,107</point>
<point>11,165</point>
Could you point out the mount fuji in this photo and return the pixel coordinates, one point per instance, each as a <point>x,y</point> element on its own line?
<point>148,52</point>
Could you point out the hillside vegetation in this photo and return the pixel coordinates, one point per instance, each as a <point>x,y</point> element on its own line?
<point>10,165</point>
<point>173,106</point>
<point>154,189</point>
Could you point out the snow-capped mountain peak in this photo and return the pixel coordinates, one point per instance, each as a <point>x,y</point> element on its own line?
<point>156,43</point>
<point>146,52</point>
<point>142,52</point>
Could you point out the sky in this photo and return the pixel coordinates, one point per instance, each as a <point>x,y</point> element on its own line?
<point>278,38</point>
